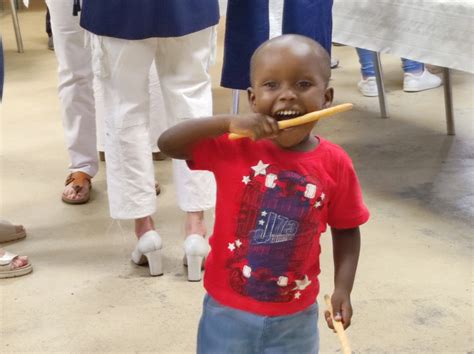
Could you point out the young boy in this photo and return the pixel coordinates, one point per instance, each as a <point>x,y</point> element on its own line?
<point>276,194</point>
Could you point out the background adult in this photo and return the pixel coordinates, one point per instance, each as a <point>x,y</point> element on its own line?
<point>76,94</point>
<point>127,38</point>
<point>251,22</point>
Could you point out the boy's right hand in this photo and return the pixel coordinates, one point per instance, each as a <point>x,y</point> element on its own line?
<point>254,125</point>
<point>342,309</point>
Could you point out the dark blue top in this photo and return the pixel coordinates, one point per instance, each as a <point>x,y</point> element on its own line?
<point>247,26</point>
<point>140,19</point>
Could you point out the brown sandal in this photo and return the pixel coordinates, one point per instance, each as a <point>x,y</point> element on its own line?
<point>77,179</point>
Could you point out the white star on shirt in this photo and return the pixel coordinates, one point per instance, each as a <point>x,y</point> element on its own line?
<point>247,271</point>
<point>238,243</point>
<point>302,284</point>
<point>261,222</point>
<point>246,179</point>
<point>264,213</point>
<point>260,168</point>
<point>282,281</point>
<point>317,205</point>
<point>297,295</point>
<point>231,247</point>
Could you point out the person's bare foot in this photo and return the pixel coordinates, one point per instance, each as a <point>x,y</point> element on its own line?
<point>17,262</point>
<point>195,224</point>
<point>143,225</point>
<point>77,189</point>
<point>71,192</point>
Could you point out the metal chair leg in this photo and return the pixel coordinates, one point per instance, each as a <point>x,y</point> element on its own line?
<point>448,102</point>
<point>380,85</point>
<point>235,101</point>
<point>16,26</point>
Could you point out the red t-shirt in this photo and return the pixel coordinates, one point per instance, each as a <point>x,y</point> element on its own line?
<point>272,206</point>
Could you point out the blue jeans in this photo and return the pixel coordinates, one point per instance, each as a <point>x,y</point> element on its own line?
<point>367,63</point>
<point>226,330</point>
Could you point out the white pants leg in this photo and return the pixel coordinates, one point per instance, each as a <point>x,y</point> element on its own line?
<point>122,68</point>
<point>75,87</point>
<point>157,112</point>
<point>158,119</point>
<point>99,120</point>
<point>275,9</point>
<point>183,64</point>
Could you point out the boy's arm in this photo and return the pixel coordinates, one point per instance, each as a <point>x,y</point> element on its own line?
<point>346,249</point>
<point>178,141</point>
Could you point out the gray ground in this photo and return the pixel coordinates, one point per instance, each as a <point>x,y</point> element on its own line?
<point>413,291</point>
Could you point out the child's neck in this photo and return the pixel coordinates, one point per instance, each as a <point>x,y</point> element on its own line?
<point>309,143</point>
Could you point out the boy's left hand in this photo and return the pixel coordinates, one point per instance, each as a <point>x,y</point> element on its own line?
<point>342,309</point>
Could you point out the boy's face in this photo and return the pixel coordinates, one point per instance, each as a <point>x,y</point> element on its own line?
<point>287,83</point>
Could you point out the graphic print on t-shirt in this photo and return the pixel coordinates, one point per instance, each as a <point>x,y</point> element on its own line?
<point>276,227</point>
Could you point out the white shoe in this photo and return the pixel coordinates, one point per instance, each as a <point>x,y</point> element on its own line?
<point>149,249</point>
<point>424,81</point>
<point>368,87</point>
<point>196,249</point>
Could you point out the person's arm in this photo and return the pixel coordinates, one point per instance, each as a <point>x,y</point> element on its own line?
<point>346,249</point>
<point>178,141</point>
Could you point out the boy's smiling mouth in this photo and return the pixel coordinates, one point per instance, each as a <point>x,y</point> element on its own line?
<point>285,114</point>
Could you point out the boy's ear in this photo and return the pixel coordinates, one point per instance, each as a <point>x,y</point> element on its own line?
<point>251,98</point>
<point>328,97</point>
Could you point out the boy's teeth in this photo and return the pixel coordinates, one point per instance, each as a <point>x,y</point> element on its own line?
<point>287,113</point>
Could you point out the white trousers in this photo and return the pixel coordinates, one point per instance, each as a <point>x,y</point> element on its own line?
<point>75,87</point>
<point>158,123</point>
<point>122,68</point>
<point>275,12</point>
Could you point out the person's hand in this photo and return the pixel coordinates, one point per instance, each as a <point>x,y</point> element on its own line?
<point>342,309</point>
<point>254,125</point>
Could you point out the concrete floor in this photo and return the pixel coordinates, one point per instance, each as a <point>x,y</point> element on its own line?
<point>413,292</point>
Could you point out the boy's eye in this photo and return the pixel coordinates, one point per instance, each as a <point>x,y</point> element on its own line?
<point>270,84</point>
<point>304,84</point>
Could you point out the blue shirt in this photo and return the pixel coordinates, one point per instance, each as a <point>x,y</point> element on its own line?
<point>140,19</point>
